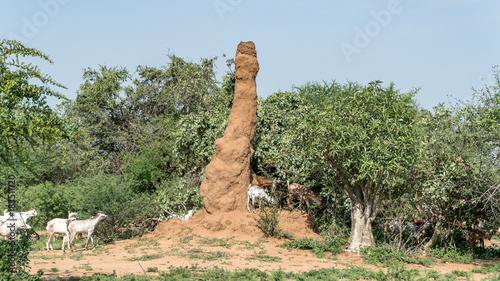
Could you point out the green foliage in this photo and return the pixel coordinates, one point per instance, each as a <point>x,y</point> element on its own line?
<point>117,199</point>
<point>49,200</point>
<point>268,219</point>
<point>391,256</point>
<point>26,119</point>
<point>19,251</point>
<point>362,139</point>
<point>180,192</point>
<point>86,196</point>
<point>333,239</point>
<point>318,247</point>
<point>146,257</point>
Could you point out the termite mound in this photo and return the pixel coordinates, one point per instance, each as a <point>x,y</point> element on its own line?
<point>229,173</point>
<point>224,188</point>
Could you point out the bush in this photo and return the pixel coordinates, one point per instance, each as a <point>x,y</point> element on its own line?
<point>318,247</point>
<point>128,213</point>
<point>269,217</point>
<point>19,250</point>
<point>392,256</point>
<point>49,201</point>
<point>115,197</point>
<point>178,193</point>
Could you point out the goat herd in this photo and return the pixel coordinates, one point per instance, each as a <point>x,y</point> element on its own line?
<point>70,227</point>
<point>294,190</point>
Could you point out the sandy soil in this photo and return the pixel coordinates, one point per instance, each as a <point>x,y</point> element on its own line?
<point>177,243</point>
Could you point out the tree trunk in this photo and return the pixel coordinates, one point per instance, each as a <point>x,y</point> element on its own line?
<point>437,231</point>
<point>361,227</point>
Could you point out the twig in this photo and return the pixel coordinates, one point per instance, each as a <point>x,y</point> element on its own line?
<point>144,271</point>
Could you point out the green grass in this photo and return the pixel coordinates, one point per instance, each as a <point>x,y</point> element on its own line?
<point>216,242</point>
<point>186,239</point>
<point>146,257</point>
<point>152,269</point>
<point>399,272</point>
<point>317,247</point>
<point>149,242</point>
<point>47,257</point>
<point>392,257</point>
<point>84,266</point>
<point>262,256</point>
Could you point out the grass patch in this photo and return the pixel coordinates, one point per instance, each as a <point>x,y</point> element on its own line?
<point>216,242</point>
<point>152,269</point>
<point>262,256</point>
<point>186,239</point>
<point>485,269</point>
<point>206,255</point>
<point>47,257</point>
<point>392,257</point>
<point>146,257</point>
<point>150,242</point>
<point>77,256</point>
<point>317,247</point>
<point>84,266</point>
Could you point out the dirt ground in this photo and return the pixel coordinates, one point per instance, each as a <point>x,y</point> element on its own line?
<point>178,243</point>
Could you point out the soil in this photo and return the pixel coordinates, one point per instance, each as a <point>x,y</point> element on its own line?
<point>188,244</point>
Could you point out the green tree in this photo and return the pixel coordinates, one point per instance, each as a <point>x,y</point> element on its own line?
<point>26,119</point>
<point>487,110</point>
<point>365,135</point>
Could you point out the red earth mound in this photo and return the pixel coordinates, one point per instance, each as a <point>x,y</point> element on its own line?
<point>224,188</point>
<point>241,225</point>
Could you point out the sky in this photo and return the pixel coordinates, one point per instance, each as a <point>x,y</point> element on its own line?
<point>444,48</point>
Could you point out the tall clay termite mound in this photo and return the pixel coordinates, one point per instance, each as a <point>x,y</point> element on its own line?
<point>228,175</point>
<point>224,189</point>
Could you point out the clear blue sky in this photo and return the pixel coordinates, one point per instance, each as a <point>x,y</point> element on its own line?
<point>443,46</point>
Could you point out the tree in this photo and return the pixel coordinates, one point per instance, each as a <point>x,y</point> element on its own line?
<point>26,119</point>
<point>454,167</point>
<point>365,136</point>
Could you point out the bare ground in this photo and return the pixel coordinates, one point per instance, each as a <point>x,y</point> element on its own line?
<point>200,252</point>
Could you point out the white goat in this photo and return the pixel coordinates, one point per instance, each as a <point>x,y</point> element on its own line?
<point>255,191</point>
<point>183,217</point>
<point>10,224</point>
<point>59,226</point>
<point>84,226</point>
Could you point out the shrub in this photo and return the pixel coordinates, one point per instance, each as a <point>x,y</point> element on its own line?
<point>128,213</point>
<point>49,201</point>
<point>269,218</point>
<point>392,256</point>
<point>19,250</point>
<point>177,193</point>
<point>114,196</point>
<point>318,247</point>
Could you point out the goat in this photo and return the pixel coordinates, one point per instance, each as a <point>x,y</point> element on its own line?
<point>84,226</point>
<point>263,182</point>
<point>473,235</point>
<point>183,217</point>
<point>297,190</point>
<point>255,191</point>
<point>11,221</point>
<point>59,226</point>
